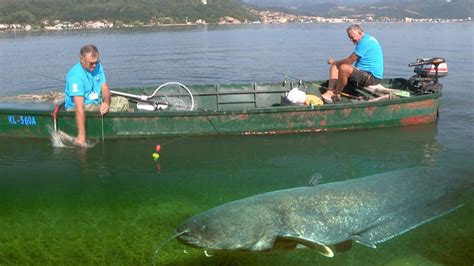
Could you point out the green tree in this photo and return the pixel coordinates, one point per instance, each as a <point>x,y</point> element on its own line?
<point>22,17</point>
<point>128,11</point>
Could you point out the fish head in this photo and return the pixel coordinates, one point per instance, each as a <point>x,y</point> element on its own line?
<point>232,227</point>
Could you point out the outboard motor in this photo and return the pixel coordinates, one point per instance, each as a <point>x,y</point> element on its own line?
<point>428,71</point>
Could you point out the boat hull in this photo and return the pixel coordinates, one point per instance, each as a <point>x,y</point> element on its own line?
<point>18,121</point>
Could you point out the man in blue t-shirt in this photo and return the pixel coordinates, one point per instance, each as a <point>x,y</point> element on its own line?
<point>86,89</point>
<point>368,68</point>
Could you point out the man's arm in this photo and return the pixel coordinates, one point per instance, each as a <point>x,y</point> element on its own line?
<point>80,120</point>
<point>349,60</point>
<point>105,105</point>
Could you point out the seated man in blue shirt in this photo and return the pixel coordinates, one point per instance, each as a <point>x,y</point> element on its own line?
<point>86,89</point>
<point>368,68</point>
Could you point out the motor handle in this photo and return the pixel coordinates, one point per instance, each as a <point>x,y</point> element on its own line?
<point>432,61</point>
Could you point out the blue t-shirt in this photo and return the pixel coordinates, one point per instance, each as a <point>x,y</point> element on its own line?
<point>80,82</point>
<point>369,56</point>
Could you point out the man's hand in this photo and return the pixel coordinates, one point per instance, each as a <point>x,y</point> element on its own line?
<point>104,108</point>
<point>80,121</point>
<point>331,61</point>
<point>80,142</point>
<point>105,105</point>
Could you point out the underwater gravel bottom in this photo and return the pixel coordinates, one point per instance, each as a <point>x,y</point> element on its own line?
<point>113,204</point>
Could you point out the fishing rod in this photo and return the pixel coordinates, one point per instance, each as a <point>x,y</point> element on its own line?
<point>367,92</point>
<point>62,81</point>
<point>156,104</point>
<point>145,98</point>
<point>29,94</point>
<point>193,134</point>
<point>44,76</point>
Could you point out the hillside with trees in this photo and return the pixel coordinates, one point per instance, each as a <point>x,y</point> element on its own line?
<point>128,11</point>
<point>376,8</point>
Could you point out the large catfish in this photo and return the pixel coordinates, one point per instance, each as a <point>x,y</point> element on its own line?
<point>366,210</point>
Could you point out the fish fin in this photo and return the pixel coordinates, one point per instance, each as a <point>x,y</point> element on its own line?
<point>399,222</point>
<point>315,179</point>
<point>320,248</point>
<point>363,240</point>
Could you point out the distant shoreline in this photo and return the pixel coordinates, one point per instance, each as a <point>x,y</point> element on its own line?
<point>101,25</point>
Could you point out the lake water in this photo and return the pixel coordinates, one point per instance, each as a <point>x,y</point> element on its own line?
<point>113,204</point>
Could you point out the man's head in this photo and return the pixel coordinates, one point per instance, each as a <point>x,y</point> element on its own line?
<point>89,56</point>
<point>355,33</point>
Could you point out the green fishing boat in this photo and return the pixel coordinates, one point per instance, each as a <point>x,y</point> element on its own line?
<point>175,109</point>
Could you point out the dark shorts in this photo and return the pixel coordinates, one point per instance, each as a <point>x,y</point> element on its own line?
<point>362,78</point>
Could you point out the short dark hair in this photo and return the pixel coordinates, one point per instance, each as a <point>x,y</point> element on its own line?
<point>89,49</point>
<point>355,27</point>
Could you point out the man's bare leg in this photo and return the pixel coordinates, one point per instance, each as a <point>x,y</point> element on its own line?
<point>333,77</point>
<point>345,71</point>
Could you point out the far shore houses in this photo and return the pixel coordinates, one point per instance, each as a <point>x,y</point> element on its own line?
<point>265,17</point>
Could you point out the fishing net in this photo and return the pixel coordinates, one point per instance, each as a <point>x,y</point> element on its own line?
<point>118,104</point>
<point>172,96</point>
<point>172,103</point>
<point>50,97</point>
<point>60,139</point>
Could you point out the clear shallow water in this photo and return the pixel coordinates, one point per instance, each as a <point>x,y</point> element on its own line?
<point>113,204</point>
